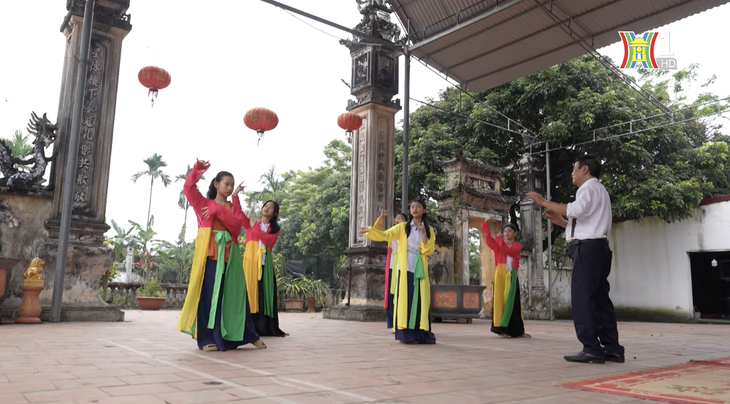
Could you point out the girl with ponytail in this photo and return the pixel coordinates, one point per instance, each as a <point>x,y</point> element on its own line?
<point>258,265</point>
<point>412,298</point>
<point>391,267</point>
<point>506,309</point>
<point>216,312</point>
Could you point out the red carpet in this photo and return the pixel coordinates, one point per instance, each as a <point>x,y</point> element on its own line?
<point>697,382</point>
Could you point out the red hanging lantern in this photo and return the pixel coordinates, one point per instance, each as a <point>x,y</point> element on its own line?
<point>155,78</point>
<point>260,120</point>
<point>350,122</point>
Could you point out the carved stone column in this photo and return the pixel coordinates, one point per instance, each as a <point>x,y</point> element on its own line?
<point>529,178</point>
<point>371,190</point>
<point>88,259</point>
<point>374,83</point>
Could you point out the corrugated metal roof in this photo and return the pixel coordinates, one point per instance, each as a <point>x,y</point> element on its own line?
<point>486,43</point>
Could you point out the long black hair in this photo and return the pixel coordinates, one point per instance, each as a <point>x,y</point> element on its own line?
<point>273,224</point>
<point>212,192</point>
<point>424,219</point>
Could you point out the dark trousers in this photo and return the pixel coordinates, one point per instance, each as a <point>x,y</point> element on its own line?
<point>593,314</point>
<point>208,336</point>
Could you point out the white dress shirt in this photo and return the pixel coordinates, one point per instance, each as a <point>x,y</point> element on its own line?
<point>393,249</point>
<point>265,228</point>
<point>591,212</point>
<point>414,244</point>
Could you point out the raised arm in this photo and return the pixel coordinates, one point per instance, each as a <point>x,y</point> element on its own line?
<point>488,239</point>
<point>379,223</point>
<point>237,210</point>
<point>245,221</point>
<point>196,199</point>
<point>388,235</point>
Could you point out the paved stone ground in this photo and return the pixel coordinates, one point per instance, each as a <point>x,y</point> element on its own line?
<point>146,361</point>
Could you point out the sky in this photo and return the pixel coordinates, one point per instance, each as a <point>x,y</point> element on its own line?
<point>224,60</point>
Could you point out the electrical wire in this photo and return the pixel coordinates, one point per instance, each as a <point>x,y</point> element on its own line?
<point>634,132</point>
<point>322,31</point>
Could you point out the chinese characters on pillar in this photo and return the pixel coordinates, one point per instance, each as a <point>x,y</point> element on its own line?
<point>89,126</point>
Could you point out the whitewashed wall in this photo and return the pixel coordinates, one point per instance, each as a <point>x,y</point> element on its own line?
<point>651,267</point>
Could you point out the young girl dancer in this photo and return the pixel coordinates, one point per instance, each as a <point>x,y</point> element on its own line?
<point>412,300</point>
<point>215,310</point>
<point>506,309</point>
<point>258,265</point>
<point>391,267</point>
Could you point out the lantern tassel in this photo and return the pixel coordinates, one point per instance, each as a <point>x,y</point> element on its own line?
<point>153,92</point>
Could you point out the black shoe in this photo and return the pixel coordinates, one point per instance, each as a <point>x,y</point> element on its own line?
<point>614,357</point>
<point>583,357</point>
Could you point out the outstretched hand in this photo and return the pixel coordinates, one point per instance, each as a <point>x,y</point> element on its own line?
<point>384,213</point>
<point>204,163</point>
<point>536,197</point>
<point>239,189</point>
<point>555,217</point>
<point>364,230</point>
<point>205,212</point>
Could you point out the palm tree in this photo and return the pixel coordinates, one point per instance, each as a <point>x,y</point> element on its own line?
<point>19,147</point>
<point>274,189</point>
<point>182,201</point>
<point>154,165</point>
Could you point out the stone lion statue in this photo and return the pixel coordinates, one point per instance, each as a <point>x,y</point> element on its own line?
<point>34,271</point>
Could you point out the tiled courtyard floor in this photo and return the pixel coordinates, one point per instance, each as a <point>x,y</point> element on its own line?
<point>146,361</point>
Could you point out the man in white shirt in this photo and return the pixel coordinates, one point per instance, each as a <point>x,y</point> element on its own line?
<point>589,221</point>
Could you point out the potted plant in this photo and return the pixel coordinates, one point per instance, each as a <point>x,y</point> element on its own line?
<point>150,297</point>
<point>317,291</point>
<point>292,289</point>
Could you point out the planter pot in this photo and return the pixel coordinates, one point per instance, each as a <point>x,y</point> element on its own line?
<point>30,308</point>
<point>294,305</point>
<point>456,301</point>
<point>311,304</point>
<point>150,303</point>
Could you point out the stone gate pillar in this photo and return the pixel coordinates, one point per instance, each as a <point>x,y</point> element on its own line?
<point>530,178</point>
<point>88,258</point>
<point>374,82</point>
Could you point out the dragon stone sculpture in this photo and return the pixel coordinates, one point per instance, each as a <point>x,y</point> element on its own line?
<point>45,134</point>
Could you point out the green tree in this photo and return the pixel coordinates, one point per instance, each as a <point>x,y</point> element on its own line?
<point>119,241</point>
<point>19,147</point>
<point>314,210</point>
<point>274,188</point>
<point>182,201</point>
<point>664,172</point>
<point>145,245</point>
<point>154,171</point>
<point>475,260</point>
<point>177,258</point>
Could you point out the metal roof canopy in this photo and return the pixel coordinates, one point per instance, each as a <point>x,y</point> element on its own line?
<point>485,43</point>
